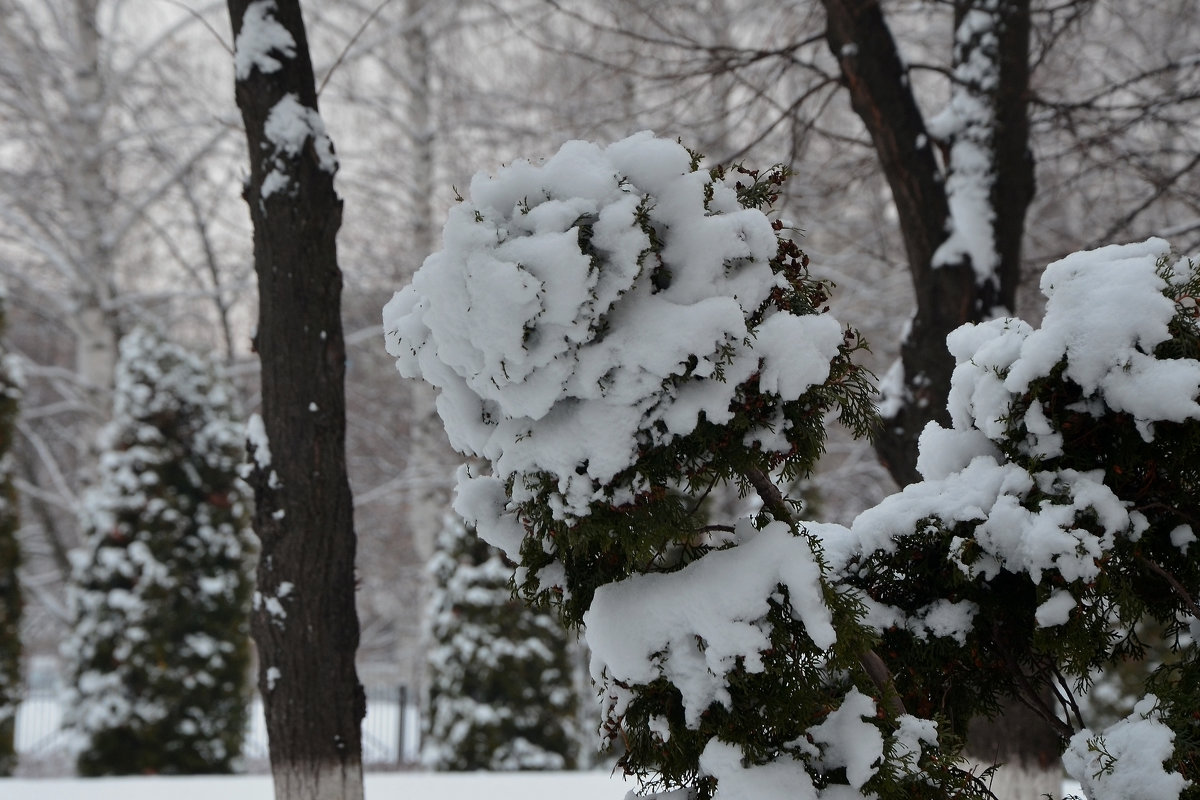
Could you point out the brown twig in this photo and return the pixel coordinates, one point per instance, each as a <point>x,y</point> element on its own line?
<point>881,676</point>
<point>716,529</point>
<point>771,496</point>
<point>1066,697</point>
<point>1157,569</point>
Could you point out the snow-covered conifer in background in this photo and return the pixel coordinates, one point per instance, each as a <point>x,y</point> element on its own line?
<point>613,333</point>
<point>501,691</point>
<point>160,650</point>
<point>10,561</point>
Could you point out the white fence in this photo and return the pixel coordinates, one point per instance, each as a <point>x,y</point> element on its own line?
<point>390,732</point>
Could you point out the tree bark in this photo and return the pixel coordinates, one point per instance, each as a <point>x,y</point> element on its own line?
<point>304,620</point>
<point>950,289</point>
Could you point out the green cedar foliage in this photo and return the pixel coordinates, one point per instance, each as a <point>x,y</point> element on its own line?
<point>772,657</point>
<point>772,711</point>
<point>1135,600</point>
<point>10,561</point>
<point>659,528</point>
<point>724,653</point>
<point>160,650</point>
<point>501,693</point>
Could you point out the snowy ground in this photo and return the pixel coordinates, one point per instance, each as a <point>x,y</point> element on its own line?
<point>44,750</point>
<point>380,786</point>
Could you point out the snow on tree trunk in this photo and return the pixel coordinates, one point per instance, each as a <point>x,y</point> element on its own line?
<point>962,224</point>
<point>10,562</point>
<point>501,693</point>
<point>160,648</point>
<point>304,620</point>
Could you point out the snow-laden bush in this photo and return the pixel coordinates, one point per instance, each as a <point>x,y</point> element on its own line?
<point>1056,515</point>
<point>613,333</point>
<point>160,647</point>
<point>501,687</point>
<point>608,327</point>
<point>10,562</point>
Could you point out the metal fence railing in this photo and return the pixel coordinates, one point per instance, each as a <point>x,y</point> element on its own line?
<point>39,723</point>
<point>391,730</point>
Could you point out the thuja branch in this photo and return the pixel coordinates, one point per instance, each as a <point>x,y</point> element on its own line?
<point>870,661</point>
<point>769,493</point>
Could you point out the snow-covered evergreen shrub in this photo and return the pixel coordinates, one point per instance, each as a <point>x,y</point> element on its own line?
<point>10,562</point>
<point>1059,513</point>
<point>501,693</point>
<point>613,333</point>
<point>160,649</point>
<point>611,325</point>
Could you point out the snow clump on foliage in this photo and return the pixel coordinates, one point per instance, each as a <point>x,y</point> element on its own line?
<point>1126,760</point>
<point>1056,513</point>
<point>568,294</point>
<point>614,332</point>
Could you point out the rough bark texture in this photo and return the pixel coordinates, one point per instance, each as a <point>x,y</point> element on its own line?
<point>1014,187</point>
<point>304,623</point>
<point>11,601</point>
<point>947,295</point>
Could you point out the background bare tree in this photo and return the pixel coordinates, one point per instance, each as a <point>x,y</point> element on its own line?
<point>1102,81</point>
<point>114,206</point>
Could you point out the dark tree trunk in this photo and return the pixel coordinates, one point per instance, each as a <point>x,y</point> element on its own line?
<point>304,622</point>
<point>11,601</point>
<point>949,291</point>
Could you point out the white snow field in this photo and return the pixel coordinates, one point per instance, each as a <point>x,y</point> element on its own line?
<point>379,786</point>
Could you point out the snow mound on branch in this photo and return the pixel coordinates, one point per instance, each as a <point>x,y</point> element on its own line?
<point>1106,311</point>
<point>843,741</point>
<point>590,306</point>
<point>697,624</point>
<point>1014,537</point>
<point>1126,760</point>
